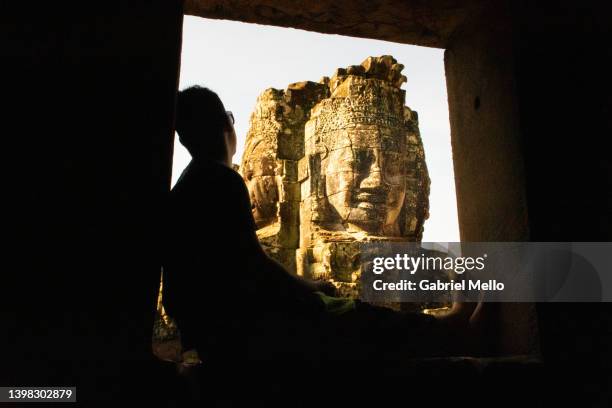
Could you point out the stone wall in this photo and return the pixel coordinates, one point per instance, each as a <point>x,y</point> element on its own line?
<point>429,23</point>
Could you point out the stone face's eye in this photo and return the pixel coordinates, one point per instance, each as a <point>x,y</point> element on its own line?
<point>393,168</point>
<point>363,160</point>
<point>390,144</point>
<point>342,160</point>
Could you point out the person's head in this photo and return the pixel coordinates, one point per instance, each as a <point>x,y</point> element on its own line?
<point>203,125</point>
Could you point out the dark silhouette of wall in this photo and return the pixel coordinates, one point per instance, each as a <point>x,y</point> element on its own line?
<point>488,159</point>
<point>529,100</point>
<point>563,60</point>
<point>87,130</point>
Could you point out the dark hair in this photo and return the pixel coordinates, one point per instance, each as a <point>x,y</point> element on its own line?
<point>200,122</point>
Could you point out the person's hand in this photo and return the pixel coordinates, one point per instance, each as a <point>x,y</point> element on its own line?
<point>460,315</point>
<point>326,287</point>
<point>189,360</point>
<point>168,350</point>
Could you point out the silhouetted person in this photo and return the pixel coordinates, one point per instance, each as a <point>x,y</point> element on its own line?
<point>219,284</point>
<point>235,305</point>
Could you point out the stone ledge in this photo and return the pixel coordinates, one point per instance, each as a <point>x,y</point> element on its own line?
<point>426,23</point>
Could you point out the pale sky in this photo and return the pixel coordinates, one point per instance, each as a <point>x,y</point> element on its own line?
<point>239,61</point>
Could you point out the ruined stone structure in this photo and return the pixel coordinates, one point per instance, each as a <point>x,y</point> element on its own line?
<point>275,143</point>
<point>333,164</point>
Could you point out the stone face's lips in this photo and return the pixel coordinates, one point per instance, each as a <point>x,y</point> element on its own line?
<point>371,197</point>
<point>366,206</point>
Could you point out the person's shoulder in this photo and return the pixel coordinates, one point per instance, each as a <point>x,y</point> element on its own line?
<point>209,175</point>
<point>198,170</point>
<point>209,167</point>
<point>218,173</point>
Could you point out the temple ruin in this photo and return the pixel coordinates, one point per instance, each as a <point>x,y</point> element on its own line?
<point>335,163</point>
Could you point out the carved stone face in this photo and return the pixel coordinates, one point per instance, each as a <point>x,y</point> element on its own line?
<point>366,185</point>
<point>260,177</point>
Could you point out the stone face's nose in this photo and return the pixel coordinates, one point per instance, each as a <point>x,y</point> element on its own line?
<point>373,179</point>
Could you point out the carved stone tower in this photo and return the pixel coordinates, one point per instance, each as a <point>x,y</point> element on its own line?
<point>330,165</point>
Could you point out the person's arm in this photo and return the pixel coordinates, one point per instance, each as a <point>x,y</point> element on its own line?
<point>298,282</point>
